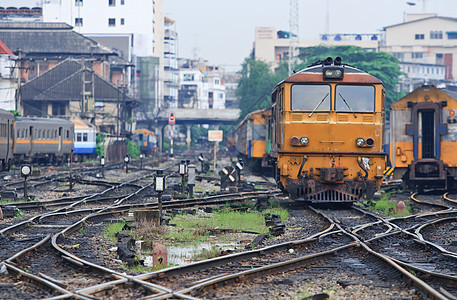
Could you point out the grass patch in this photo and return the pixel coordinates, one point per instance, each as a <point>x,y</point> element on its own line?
<point>389,208</point>
<point>144,269</point>
<point>195,228</point>
<point>110,231</point>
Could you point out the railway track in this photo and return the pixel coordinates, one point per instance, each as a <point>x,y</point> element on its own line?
<point>334,244</point>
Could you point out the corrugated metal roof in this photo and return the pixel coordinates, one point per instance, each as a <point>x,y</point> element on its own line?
<point>64,82</point>
<point>49,38</point>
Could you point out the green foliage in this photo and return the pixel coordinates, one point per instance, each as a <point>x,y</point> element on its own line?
<point>379,64</point>
<point>100,147</point>
<point>19,213</point>
<point>191,229</point>
<point>16,113</point>
<point>256,84</point>
<point>388,207</point>
<point>110,231</point>
<point>134,149</point>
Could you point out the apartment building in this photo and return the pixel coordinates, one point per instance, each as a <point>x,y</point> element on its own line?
<point>426,45</point>
<point>273,46</point>
<point>171,76</point>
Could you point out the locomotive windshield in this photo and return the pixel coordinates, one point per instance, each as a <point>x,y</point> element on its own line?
<point>311,97</point>
<point>355,98</point>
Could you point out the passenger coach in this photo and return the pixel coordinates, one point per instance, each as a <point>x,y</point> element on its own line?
<point>6,139</point>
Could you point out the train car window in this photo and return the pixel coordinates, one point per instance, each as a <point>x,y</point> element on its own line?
<point>55,133</point>
<point>68,134</point>
<point>310,97</point>
<point>19,133</point>
<point>78,137</point>
<point>85,137</point>
<point>355,98</point>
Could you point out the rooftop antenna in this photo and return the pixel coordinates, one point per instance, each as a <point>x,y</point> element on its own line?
<point>293,33</point>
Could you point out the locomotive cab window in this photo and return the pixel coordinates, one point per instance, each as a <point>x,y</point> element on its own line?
<point>310,97</point>
<point>355,98</point>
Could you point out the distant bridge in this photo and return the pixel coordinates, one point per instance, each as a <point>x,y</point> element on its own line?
<point>189,117</point>
<point>200,116</point>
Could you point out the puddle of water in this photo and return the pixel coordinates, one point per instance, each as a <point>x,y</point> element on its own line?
<point>185,253</point>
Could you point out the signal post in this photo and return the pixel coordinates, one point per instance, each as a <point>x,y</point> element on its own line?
<point>172,122</point>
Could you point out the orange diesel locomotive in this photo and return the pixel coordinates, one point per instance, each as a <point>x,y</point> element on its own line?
<point>423,135</point>
<point>327,133</point>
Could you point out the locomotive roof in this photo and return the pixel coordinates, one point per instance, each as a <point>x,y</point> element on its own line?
<point>426,93</point>
<point>43,120</point>
<point>249,115</point>
<point>314,74</point>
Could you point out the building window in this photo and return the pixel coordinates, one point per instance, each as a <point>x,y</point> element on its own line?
<point>78,2</point>
<point>122,21</point>
<point>122,2</point>
<point>439,59</point>
<point>78,22</point>
<point>417,55</point>
<point>436,35</point>
<point>112,2</point>
<point>221,96</point>
<point>216,81</point>
<point>419,36</point>
<point>452,35</point>
<point>111,22</point>
<point>188,77</point>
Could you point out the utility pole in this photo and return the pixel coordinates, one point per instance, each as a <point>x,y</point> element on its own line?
<point>293,33</point>
<point>18,93</point>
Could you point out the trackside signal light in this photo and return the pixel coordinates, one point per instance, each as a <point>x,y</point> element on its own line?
<point>452,112</point>
<point>171,119</point>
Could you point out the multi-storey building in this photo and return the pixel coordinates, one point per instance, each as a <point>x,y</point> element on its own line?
<point>8,78</point>
<point>272,46</point>
<point>133,28</point>
<point>171,76</point>
<point>426,45</point>
<point>201,85</point>
<point>193,92</point>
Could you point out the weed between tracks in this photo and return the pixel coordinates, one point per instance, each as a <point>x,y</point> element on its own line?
<point>388,207</point>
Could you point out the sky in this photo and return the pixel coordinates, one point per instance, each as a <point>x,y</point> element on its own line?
<point>223,32</point>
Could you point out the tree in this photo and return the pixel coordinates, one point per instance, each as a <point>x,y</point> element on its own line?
<point>255,85</point>
<point>379,64</point>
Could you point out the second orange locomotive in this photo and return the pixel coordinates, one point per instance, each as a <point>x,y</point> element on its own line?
<point>327,133</point>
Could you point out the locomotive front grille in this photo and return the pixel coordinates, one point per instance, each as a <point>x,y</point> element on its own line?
<point>331,196</point>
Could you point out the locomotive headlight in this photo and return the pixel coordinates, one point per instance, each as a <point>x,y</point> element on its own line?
<point>370,142</point>
<point>294,141</point>
<point>304,140</point>
<point>328,73</point>
<point>333,72</point>
<point>360,142</point>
